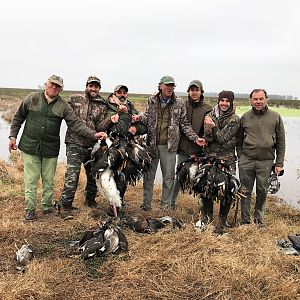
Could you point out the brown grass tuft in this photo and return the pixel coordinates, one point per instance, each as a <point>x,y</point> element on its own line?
<point>171,264</point>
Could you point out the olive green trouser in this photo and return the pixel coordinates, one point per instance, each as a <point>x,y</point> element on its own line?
<point>34,168</point>
<point>167,161</point>
<point>250,171</point>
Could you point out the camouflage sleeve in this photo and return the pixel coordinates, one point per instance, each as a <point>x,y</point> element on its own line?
<point>101,125</point>
<point>76,124</point>
<point>240,139</point>
<point>228,132</point>
<point>208,133</point>
<point>19,117</point>
<point>186,127</point>
<point>140,127</point>
<point>280,143</point>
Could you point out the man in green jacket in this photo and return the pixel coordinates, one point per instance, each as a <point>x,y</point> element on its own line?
<point>196,109</point>
<point>40,141</point>
<point>261,140</point>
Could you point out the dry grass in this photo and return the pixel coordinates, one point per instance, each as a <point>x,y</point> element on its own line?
<point>171,264</point>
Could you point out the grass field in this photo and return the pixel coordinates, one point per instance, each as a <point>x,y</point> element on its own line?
<point>245,263</point>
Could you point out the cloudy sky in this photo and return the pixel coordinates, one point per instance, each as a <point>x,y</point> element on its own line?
<point>227,44</point>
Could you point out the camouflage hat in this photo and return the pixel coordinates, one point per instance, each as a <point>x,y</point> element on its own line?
<point>196,83</point>
<point>93,79</point>
<point>57,80</point>
<point>167,80</point>
<point>118,87</point>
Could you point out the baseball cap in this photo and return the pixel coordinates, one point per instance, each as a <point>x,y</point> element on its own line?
<point>167,80</point>
<point>196,83</point>
<point>93,79</point>
<point>118,87</point>
<point>57,80</point>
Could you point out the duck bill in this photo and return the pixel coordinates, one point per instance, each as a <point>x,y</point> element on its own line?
<point>115,210</point>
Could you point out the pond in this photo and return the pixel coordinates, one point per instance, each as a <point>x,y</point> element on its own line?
<point>290,183</point>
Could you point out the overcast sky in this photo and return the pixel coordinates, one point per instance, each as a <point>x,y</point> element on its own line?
<point>236,45</point>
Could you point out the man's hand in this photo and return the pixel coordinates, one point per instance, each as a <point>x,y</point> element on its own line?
<point>201,142</point>
<point>135,118</point>
<point>100,135</point>
<point>123,108</point>
<point>208,122</point>
<point>278,170</point>
<point>132,130</point>
<point>114,118</point>
<point>12,144</point>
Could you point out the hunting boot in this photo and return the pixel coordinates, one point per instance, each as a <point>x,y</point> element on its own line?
<point>91,203</point>
<point>224,210</point>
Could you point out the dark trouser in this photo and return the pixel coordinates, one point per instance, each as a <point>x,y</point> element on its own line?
<point>77,155</point>
<point>251,170</point>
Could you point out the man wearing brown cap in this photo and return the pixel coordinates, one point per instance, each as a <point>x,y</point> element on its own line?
<point>261,143</point>
<point>221,127</point>
<point>196,109</point>
<point>43,113</point>
<point>90,108</point>
<point>166,119</point>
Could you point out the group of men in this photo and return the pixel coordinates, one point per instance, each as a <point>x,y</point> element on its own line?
<point>175,130</point>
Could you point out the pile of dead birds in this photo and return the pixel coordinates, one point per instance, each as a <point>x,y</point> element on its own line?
<point>209,177</point>
<point>117,162</point>
<point>109,238</point>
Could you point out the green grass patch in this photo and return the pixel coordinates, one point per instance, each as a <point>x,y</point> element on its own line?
<point>283,111</point>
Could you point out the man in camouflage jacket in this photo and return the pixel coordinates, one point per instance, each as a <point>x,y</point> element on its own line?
<point>90,108</point>
<point>220,131</point>
<point>117,122</point>
<point>166,119</point>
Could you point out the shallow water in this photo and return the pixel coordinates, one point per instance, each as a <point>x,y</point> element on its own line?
<point>290,183</point>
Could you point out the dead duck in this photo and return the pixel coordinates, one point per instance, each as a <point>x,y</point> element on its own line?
<point>91,247</point>
<point>24,254</point>
<point>176,223</point>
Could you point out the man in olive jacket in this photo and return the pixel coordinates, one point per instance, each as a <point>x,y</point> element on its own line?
<point>261,140</point>
<point>166,119</point>
<point>196,109</point>
<point>40,142</point>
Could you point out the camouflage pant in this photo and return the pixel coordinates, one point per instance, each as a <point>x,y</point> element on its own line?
<point>77,155</point>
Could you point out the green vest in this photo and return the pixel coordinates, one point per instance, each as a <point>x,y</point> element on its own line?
<point>41,131</point>
<point>163,124</point>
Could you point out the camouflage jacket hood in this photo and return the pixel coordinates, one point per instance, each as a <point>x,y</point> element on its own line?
<point>178,122</point>
<point>91,112</point>
<point>222,138</point>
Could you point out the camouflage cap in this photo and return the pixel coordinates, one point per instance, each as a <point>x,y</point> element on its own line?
<point>57,80</point>
<point>118,87</point>
<point>196,83</point>
<point>93,79</point>
<point>167,80</point>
